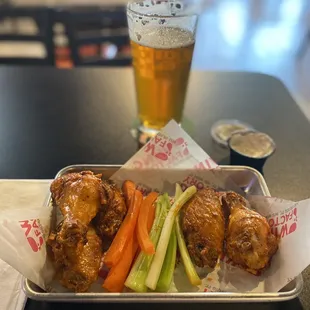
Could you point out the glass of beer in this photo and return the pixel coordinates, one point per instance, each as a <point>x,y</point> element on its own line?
<point>162,35</point>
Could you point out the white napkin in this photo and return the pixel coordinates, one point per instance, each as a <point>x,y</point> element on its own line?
<point>21,194</point>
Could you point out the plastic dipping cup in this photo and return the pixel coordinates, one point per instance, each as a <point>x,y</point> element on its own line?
<point>222,130</point>
<point>250,148</point>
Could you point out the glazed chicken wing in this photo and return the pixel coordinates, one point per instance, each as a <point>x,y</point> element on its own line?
<point>203,227</point>
<point>78,196</point>
<point>76,248</point>
<point>112,212</point>
<point>249,241</point>
<point>77,267</point>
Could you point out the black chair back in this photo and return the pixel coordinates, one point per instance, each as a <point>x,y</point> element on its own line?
<point>42,17</point>
<point>97,26</point>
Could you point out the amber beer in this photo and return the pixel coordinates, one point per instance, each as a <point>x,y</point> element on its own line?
<point>162,60</point>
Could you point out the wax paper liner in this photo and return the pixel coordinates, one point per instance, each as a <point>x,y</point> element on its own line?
<point>175,152</point>
<point>170,157</point>
<point>22,240</point>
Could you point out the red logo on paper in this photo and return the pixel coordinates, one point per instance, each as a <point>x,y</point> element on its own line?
<point>166,151</point>
<point>207,164</point>
<point>192,180</point>
<point>211,288</point>
<point>285,223</point>
<point>33,234</point>
<point>161,147</point>
<point>183,143</point>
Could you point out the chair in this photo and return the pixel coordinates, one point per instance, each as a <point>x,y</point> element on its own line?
<point>42,17</point>
<point>91,30</point>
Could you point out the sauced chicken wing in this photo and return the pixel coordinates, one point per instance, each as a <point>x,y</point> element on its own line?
<point>249,241</point>
<point>113,210</point>
<point>76,248</point>
<point>203,227</point>
<point>78,196</point>
<point>77,267</point>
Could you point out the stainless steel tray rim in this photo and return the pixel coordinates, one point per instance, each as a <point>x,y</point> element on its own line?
<point>164,297</point>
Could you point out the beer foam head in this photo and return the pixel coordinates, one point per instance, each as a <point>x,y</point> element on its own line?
<point>163,37</point>
<point>167,7</point>
<point>161,24</point>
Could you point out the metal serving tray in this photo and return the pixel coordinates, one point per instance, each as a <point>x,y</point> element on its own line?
<point>247,178</point>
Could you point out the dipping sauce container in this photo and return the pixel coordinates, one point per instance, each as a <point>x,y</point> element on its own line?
<point>250,148</point>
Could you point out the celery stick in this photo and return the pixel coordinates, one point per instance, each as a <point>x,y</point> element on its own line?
<point>186,259</point>
<point>139,271</point>
<point>158,260</point>
<point>178,191</point>
<point>167,270</point>
<point>157,210</point>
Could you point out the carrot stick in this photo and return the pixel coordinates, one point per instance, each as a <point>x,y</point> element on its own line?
<point>150,221</point>
<point>118,274</point>
<point>145,215</point>
<point>125,233</point>
<point>129,191</point>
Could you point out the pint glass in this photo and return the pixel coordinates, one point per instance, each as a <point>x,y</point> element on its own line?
<point>162,35</point>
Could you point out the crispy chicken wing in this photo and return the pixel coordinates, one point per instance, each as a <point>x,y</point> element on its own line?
<point>78,196</point>
<point>76,248</point>
<point>113,210</point>
<point>249,241</point>
<point>77,267</point>
<point>203,227</point>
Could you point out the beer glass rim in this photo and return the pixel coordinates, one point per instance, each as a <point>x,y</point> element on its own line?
<point>157,15</point>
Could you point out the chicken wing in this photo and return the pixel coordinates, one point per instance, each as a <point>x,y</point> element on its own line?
<point>77,267</point>
<point>75,246</point>
<point>203,226</point>
<point>249,241</point>
<point>112,212</point>
<point>78,196</point>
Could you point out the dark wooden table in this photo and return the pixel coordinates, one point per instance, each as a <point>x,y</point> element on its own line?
<point>51,118</point>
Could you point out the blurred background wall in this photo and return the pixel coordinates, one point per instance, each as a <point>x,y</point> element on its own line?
<point>267,36</point>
